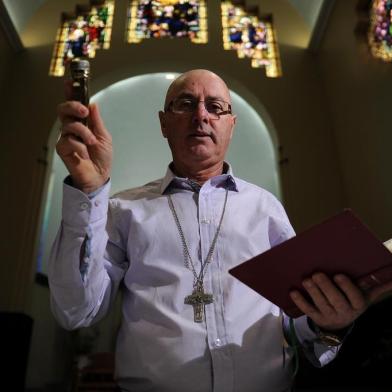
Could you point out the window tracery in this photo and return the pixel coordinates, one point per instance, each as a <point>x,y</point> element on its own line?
<point>82,33</point>
<point>167,18</point>
<point>380,31</point>
<point>251,37</point>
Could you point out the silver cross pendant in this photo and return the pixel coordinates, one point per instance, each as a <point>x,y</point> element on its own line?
<point>198,299</point>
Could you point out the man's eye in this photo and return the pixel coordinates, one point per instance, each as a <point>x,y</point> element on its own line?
<point>185,104</point>
<point>214,107</point>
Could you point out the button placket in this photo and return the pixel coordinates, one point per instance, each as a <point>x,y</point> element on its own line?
<point>205,243</point>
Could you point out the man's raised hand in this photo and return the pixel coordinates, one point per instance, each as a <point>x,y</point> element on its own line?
<point>85,150</point>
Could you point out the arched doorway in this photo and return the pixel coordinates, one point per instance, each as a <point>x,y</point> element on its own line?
<point>130,111</point>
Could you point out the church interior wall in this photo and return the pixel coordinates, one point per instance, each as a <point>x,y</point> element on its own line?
<point>358,93</point>
<point>329,112</point>
<point>6,54</point>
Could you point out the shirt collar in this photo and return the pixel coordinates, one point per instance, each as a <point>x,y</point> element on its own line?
<point>226,180</point>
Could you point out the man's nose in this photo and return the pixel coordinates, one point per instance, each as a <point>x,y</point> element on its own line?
<point>200,113</point>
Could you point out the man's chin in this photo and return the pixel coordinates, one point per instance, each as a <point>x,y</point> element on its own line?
<point>200,152</point>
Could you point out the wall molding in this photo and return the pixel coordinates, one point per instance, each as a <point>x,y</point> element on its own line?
<point>9,29</point>
<point>321,25</point>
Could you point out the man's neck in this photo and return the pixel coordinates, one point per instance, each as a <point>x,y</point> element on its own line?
<point>199,175</point>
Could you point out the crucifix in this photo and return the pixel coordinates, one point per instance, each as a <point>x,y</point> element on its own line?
<point>198,299</point>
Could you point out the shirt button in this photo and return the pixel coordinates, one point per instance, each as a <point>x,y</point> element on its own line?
<point>217,343</point>
<point>96,203</point>
<point>84,206</point>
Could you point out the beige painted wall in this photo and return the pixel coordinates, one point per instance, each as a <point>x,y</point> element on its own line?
<point>359,95</point>
<point>6,53</point>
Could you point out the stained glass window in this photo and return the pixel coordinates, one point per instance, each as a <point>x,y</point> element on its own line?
<point>82,33</point>
<point>167,18</point>
<point>251,37</point>
<point>380,32</point>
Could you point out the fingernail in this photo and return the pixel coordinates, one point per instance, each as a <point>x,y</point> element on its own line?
<point>294,294</point>
<point>307,283</point>
<point>338,278</point>
<point>318,277</point>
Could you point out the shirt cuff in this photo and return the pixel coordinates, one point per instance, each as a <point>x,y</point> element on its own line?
<point>80,209</point>
<point>303,330</point>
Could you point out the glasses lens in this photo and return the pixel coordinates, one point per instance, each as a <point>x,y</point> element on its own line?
<point>215,107</point>
<point>183,105</point>
<point>187,105</point>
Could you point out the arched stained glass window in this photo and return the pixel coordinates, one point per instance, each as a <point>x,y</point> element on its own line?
<point>82,33</point>
<point>167,18</point>
<point>251,37</point>
<point>380,32</point>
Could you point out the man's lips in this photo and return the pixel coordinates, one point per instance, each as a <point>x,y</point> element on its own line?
<point>198,137</point>
<point>200,134</point>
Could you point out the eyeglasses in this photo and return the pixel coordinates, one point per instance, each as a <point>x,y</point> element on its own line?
<point>214,107</point>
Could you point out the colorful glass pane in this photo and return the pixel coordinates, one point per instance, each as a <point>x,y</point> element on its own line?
<point>167,18</point>
<point>380,32</point>
<point>82,34</point>
<point>250,37</point>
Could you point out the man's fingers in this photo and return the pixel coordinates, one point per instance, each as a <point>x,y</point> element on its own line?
<point>68,145</point>
<point>333,295</point>
<point>351,291</point>
<point>318,295</point>
<point>80,131</point>
<point>96,123</point>
<point>71,110</point>
<point>304,305</point>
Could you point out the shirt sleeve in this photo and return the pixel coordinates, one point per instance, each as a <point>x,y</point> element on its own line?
<point>85,266</point>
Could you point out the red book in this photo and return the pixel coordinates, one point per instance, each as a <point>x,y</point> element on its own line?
<point>341,244</point>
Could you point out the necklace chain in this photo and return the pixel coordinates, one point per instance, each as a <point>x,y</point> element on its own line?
<point>188,262</point>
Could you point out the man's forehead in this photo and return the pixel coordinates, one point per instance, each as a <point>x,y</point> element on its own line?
<point>197,82</point>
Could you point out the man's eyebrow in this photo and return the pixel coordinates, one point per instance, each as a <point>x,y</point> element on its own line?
<point>208,98</point>
<point>215,98</point>
<point>186,95</point>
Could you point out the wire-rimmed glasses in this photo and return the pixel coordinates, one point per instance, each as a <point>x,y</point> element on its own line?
<point>214,107</point>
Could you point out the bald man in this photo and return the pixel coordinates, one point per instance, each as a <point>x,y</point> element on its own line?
<point>187,324</point>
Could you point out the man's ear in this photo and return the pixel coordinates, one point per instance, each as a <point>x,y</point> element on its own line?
<point>234,119</point>
<point>163,123</point>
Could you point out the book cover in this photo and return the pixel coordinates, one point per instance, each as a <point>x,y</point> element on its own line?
<point>341,244</point>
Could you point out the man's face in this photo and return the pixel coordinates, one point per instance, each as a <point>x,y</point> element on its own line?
<point>195,138</point>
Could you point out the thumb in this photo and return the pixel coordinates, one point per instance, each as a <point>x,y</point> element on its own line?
<point>96,123</point>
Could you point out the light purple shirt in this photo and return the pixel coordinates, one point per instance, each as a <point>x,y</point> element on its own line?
<point>132,238</point>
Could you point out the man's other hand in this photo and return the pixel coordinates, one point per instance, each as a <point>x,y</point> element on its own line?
<point>337,302</point>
